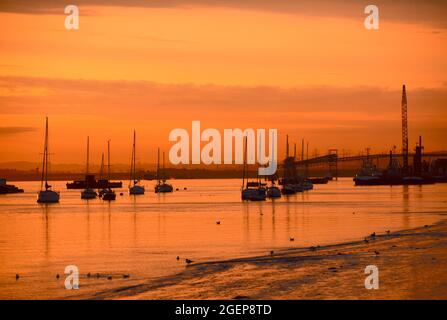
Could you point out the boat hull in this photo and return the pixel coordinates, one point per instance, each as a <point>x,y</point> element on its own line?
<point>109,195</point>
<point>273,192</point>
<point>48,196</point>
<point>136,190</point>
<point>163,188</point>
<point>88,194</point>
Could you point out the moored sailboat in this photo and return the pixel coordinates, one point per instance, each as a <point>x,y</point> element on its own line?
<point>46,195</point>
<point>108,194</point>
<point>162,186</point>
<point>88,193</point>
<point>134,187</point>
<point>253,191</point>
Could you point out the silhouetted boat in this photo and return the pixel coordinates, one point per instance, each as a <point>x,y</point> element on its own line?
<point>134,187</point>
<point>391,176</point>
<point>88,193</point>
<point>253,191</point>
<point>108,194</point>
<point>8,188</point>
<point>46,195</point>
<point>273,192</point>
<point>162,186</point>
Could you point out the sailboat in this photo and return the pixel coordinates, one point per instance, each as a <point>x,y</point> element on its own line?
<point>273,191</point>
<point>253,191</point>
<point>134,187</point>
<point>101,176</point>
<point>46,195</point>
<point>88,193</point>
<point>162,186</point>
<point>108,194</point>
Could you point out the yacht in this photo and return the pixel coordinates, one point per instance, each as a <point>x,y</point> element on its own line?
<point>134,187</point>
<point>162,186</point>
<point>253,191</point>
<point>108,194</point>
<point>88,193</point>
<point>46,195</point>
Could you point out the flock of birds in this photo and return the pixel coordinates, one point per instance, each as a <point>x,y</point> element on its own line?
<point>372,236</point>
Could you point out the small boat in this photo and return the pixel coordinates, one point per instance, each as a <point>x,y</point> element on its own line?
<point>287,189</point>
<point>273,192</point>
<point>8,188</point>
<point>162,186</point>
<point>46,195</point>
<point>253,191</point>
<point>134,187</point>
<point>88,193</point>
<point>108,194</point>
<point>307,185</point>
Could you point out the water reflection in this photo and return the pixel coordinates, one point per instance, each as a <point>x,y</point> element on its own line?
<point>141,235</point>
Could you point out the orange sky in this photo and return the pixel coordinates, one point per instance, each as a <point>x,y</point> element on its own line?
<point>320,76</point>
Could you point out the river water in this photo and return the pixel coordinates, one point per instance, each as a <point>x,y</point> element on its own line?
<point>143,235</point>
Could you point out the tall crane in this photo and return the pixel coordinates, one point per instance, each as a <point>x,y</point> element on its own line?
<point>404,131</point>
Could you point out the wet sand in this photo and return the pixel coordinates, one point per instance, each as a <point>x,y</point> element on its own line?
<point>412,265</point>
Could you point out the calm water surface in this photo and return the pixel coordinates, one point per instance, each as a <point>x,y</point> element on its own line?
<point>143,235</point>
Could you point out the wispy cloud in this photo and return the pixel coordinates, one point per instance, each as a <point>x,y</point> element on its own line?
<point>431,12</point>
<point>8,131</point>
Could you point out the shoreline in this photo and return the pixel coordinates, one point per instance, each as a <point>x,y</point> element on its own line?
<point>412,265</point>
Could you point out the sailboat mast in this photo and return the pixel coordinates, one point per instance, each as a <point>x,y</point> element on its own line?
<point>244,168</point>
<point>43,158</point>
<point>108,160</point>
<point>131,178</point>
<point>88,155</point>
<point>158,165</point>
<point>46,154</point>
<point>101,172</point>
<point>134,156</point>
<point>164,174</point>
